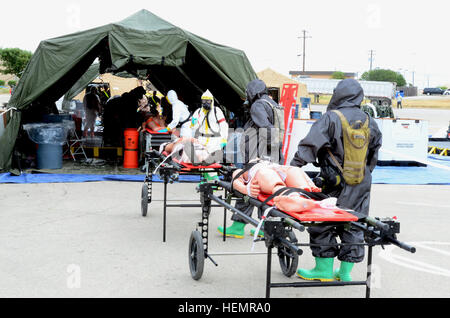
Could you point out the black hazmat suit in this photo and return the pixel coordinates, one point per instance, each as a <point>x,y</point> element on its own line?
<point>261,116</point>
<point>119,114</point>
<point>327,133</point>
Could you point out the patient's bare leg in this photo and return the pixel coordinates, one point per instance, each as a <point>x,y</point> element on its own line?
<point>170,147</point>
<point>269,180</point>
<point>294,203</point>
<point>297,178</point>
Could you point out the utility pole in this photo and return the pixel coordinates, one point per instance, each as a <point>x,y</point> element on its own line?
<point>371,59</point>
<point>304,47</point>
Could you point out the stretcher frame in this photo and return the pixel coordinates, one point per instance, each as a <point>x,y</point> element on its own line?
<point>278,233</point>
<point>169,172</point>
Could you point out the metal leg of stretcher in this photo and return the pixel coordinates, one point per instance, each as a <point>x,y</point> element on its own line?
<point>165,211</point>
<point>224,236</point>
<point>369,271</point>
<point>165,206</point>
<point>270,285</point>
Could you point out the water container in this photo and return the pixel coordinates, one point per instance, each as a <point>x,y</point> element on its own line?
<point>305,108</point>
<point>130,160</point>
<point>50,138</point>
<point>315,114</point>
<point>49,156</point>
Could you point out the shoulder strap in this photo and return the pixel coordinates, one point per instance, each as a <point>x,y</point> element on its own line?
<point>342,117</point>
<point>271,107</point>
<point>207,120</point>
<point>289,190</point>
<point>345,124</point>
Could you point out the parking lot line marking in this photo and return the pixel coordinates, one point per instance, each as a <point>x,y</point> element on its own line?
<point>425,245</point>
<point>423,204</point>
<point>387,255</point>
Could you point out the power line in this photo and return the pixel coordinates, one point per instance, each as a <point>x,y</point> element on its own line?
<point>304,37</point>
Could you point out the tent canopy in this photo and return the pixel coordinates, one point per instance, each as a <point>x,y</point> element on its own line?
<point>141,45</point>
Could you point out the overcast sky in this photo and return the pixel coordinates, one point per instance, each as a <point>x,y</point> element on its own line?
<point>406,36</point>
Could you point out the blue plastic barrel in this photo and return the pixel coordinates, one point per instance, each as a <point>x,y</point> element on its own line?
<point>315,115</point>
<point>49,156</point>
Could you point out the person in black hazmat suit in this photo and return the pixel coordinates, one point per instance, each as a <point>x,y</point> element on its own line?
<point>327,134</point>
<point>121,113</point>
<point>256,142</point>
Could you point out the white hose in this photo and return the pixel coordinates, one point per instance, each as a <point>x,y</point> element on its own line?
<point>263,218</point>
<point>177,148</point>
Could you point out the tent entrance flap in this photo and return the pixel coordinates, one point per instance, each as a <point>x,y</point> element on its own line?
<point>66,82</point>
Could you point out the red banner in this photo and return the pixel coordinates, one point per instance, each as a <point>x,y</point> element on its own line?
<point>288,99</point>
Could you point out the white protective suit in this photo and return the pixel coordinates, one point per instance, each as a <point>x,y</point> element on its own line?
<point>210,126</point>
<point>180,113</point>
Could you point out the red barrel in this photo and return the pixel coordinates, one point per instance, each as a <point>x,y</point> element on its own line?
<point>130,159</point>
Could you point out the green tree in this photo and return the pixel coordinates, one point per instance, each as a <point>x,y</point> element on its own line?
<point>338,75</point>
<point>2,83</point>
<point>12,83</point>
<point>14,60</point>
<point>383,75</point>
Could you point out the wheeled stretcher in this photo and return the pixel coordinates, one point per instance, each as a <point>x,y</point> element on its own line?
<point>278,228</point>
<point>168,169</point>
<point>154,139</point>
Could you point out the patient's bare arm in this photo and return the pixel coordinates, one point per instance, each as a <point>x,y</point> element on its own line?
<point>240,185</point>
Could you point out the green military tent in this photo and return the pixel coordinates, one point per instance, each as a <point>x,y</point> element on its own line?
<point>91,74</point>
<point>141,45</point>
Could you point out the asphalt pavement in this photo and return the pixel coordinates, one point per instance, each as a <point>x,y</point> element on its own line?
<point>89,240</point>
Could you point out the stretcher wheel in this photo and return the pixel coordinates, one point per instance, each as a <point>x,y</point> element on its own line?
<point>196,255</point>
<point>288,258</point>
<point>144,199</point>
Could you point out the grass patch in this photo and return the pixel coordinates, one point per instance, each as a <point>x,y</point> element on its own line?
<point>441,103</point>
<point>4,90</point>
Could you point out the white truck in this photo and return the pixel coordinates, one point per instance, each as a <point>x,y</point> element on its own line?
<point>379,93</point>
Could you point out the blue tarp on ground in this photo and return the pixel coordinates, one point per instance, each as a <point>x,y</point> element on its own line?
<point>414,175</point>
<point>73,178</point>
<point>381,175</point>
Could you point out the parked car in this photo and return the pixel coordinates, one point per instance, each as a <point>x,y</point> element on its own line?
<point>447,92</point>
<point>433,91</point>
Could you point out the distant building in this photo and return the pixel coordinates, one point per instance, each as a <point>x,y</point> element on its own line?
<point>274,82</point>
<point>118,85</point>
<point>319,74</point>
<point>8,77</point>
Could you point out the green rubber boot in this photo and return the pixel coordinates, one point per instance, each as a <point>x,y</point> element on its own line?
<point>260,234</point>
<point>235,230</point>
<point>343,273</point>
<point>323,270</point>
<point>207,177</point>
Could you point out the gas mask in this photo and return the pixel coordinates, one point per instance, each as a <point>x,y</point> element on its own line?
<point>206,104</point>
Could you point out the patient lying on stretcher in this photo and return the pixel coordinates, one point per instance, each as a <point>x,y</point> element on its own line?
<point>267,178</point>
<point>154,122</point>
<point>190,150</point>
